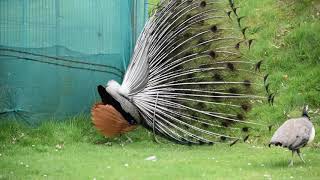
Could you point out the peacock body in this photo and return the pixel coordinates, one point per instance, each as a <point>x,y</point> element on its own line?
<point>188,79</point>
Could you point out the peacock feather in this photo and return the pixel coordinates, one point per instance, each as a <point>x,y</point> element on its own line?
<point>189,80</point>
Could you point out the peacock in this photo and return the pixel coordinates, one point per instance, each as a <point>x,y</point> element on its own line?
<point>188,80</point>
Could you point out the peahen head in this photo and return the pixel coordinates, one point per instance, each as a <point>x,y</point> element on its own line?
<point>305,111</point>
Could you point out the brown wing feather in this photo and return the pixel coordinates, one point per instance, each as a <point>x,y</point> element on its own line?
<point>109,121</point>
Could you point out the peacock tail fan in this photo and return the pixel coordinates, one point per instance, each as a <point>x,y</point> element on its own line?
<point>189,77</point>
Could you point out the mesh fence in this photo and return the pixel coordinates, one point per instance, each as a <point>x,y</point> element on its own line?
<point>53,53</point>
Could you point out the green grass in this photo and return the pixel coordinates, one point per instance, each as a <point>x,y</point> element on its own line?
<point>152,4</point>
<point>289,43</point>
<point>288,40</point>
<point>73,150</point>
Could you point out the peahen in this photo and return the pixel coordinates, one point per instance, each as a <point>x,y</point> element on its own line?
<point>188,80</point>
<point>294,134</point>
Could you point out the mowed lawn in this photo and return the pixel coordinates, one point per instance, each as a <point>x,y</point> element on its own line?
<point>287,39</point>
<point>73,150</point>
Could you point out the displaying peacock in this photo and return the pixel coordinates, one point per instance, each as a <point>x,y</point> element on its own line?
<point>188,79</point>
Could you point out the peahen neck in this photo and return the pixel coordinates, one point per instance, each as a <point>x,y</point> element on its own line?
<point>305,113</point>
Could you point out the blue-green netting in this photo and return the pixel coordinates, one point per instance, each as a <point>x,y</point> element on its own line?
<point>37,88</point>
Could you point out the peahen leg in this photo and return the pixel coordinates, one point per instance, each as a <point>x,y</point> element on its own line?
<point>299,154</point>
<point>291,161</point>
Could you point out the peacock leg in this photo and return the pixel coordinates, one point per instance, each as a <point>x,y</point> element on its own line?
<point>153,121</point>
